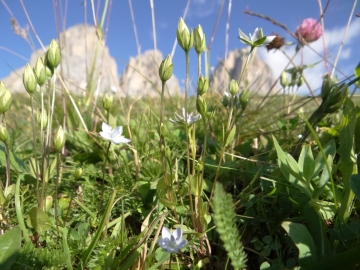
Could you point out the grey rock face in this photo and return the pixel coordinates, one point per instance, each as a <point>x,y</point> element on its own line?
<point>80,48</point>
<point>258,74</point>
<point>141,76</point>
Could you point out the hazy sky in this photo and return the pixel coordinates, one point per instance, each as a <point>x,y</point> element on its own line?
<point>121,40</point>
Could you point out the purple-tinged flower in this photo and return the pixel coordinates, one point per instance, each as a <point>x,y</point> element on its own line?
<point>309,31</point>
<point>172,242</point>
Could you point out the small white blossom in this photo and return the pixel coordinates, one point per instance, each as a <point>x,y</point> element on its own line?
<point>113,135</point>
<point>257,39</point>
<point>181,119</point>
<point>172,242</point>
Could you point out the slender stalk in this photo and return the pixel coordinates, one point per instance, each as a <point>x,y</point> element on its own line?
<point>170,261</point>
<point>7,157</point>
<point>58,162</point>
<point>161,142</point>
<point>40,203</point>
<point>244,68</point>
<point>103,177</point>
<point>187,134</point>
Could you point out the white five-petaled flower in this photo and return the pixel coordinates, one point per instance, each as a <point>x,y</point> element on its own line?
<point>182,119</point>
<point>172,242</point>
<point>113,135</point>
<point>257,39</point>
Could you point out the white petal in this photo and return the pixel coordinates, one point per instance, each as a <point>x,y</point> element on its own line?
<point>162,243</point>
<point>182,243</point>
<point>165,232</point>
<point>106,128</point>
<point>120,139</point>
<point>177,234</point>
<point>105,135</point>
<point>268,40</point>
<point>183,113</point>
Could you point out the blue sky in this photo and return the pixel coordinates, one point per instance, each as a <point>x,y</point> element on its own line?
<point>121,40</point>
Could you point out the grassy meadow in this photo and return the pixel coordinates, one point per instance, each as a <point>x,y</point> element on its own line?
<point>233,180</point>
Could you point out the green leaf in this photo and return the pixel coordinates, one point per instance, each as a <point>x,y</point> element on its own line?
<point>304,242</point>
<point>230,136</point>
<point>10,243</point>
<point>16,163</point>
<point>355,184</point>
<point>325,176</point>
<point>306,162</point>
<point>39,220</point>
<point>357,74</point>
<point>329,149</point>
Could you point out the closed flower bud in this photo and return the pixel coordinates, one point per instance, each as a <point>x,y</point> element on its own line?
<point>166,69</point>
<point>210,114</point>
<point>327,85</point>
<point>201,106</point>
<point>48,70</point>
<point>42,119</point>
<point>5,98</point>
<point>78,172</point>
<point>183,35</point>
<point>167,152</point>
<point>40,71</point>
<point>202,86</point>
<point>53,54</point>
<point>199,39</point>
<point>198,166</point>
<point>107,101</point>
<point>48,202</point>
<point>233,87</point>
<point>3,134</point>
<point>284,80</point>
<point>244,98</point>
<point>29,79</point>
<point>300,81</point>
<point>59,139</point>
<point>163,130</point>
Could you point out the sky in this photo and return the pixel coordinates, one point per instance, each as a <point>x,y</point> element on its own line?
<point>120,38</point>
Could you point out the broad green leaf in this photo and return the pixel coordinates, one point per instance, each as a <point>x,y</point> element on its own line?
<point>355,184</point>
<point>10,243</point>
<point>16,163</point>
<point>329,149</point>
<point>306,162</point>
<point>303,241</point>
<point>325,176</point>
<point>345,260</point>
<point>39,220</point>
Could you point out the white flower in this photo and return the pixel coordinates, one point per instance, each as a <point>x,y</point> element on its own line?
<point>113,135</point>
<point>257,39</point>
<point>172,242</point>
<point>181,119</point>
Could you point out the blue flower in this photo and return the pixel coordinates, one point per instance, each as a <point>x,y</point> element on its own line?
<point>172,242</point>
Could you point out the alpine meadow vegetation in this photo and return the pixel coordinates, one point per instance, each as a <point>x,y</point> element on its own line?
<point>231,180</point>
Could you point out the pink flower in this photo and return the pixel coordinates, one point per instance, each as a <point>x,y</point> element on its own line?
<point>310,30</point>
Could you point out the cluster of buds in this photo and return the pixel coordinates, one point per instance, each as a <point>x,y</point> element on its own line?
<point>202,88</point>
<point>187,39</point>
<point>233,96</point>
<point>44,68</point>
<point>332,94</point>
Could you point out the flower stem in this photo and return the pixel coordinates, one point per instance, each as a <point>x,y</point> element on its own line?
<point>187,134</point>
<point>58,162</point>
<point>103,177</point>
<point>40,203</point>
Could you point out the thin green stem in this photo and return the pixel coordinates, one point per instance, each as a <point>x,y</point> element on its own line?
<point>103,177</point>
<point>7,157</point>
<point>40,203</point>
<point>58,162</point>
<point>161,141</point>
<point>244,68</point>
<point>187,135</point>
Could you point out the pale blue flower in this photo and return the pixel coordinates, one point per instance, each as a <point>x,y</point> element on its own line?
<point>113,135</point>
<point>172,242</point>
<point>257,39</point>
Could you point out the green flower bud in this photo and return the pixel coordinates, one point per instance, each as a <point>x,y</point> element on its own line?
<point>40,71</point>
<point>202,86</point>
<point>78,172</point>
<point>163,130</point>
<point>3,134</point>
<point>166,69</point>
<point>107,101</point>
<point>284,80</point>
<point>210,114</point>
<point>167,152</point>
<point>5,98</point>
<point>198,166</point>
<point>29,79</point>
<point>199,39</point>
<point>48,70</point>
<point>53,54</point>
<point>300,81</point>
<point>225,101</point>
<point>201,106</point>
<point>184,37</point>
<point>233,87</point>
<point>327,86</point>
<point>244,98</point>
<point>59,139</point>
<point>41,118</point>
